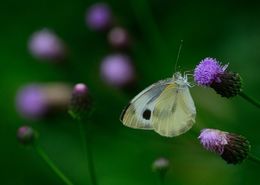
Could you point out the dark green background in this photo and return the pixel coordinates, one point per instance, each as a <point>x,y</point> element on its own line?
<point>226,30</point>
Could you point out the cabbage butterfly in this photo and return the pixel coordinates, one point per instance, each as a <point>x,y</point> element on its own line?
<point>166,107</point>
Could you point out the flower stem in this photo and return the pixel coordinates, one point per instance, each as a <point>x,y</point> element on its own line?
<point>55,169</point>
<point>88,153</point>
<point>249,99</point>
<point>253,158</point>
<point>149,28</point>
<point>160,178</point>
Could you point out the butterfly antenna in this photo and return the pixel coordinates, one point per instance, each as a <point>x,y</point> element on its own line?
<point>178,56</point>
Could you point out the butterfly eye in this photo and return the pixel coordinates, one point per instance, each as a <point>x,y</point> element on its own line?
<point>147,114</point>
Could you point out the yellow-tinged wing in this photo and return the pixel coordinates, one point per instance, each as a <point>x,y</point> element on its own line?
<point>138,113</point>
<point>174,111</point>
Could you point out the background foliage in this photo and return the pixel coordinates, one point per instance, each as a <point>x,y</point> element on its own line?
<point>227,30</point>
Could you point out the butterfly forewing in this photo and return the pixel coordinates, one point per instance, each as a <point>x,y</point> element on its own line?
<point>138,113</point>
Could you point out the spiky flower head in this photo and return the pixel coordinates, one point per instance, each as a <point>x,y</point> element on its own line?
<point>231,147</point>
<point>161,166</point>
<point>80,101</point>
<point>209,72</point>
<point>26,135</point>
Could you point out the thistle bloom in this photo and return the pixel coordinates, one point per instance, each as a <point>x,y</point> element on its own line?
<point>99,16</point>
<point>80,101</point>
<point>118,37</point>
<point>210,73</point>
<point>231,147</point>
<point>26,135</point>
<point>46,45</point>
<point>117,70</point>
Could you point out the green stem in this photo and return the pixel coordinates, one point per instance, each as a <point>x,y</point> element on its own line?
<point>161,178</point>
<point>88,153</point>
<point>249,99</point>
<point>149,28</point>
<point>253,158</point>
<point>55,169</point>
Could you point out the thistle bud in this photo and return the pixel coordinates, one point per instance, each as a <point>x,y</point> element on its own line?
<point>161,166</point>
<point>210,73</point>
<point>231,147</point>
<point>26,135</point>
<point>118,37</point>
<point>80,101</point>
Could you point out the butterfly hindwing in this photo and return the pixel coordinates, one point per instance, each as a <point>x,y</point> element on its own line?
<point>138,113</point>
<point>174,111</point>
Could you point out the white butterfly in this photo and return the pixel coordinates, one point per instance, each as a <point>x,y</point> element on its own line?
<point>166,107</point>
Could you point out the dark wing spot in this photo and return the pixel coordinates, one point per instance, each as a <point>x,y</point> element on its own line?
<point>147,114</point>
<point>124,111</point>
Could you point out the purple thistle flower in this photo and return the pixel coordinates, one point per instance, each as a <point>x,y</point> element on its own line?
<point>118,37</point>
<point>46,45</point>
<point>117,70</point>
<point>80,101</point>
<point>99,16</point>
<point>231,147</point>
<point>208,71</point>
<point>26,135</point>
<point>31,102</point>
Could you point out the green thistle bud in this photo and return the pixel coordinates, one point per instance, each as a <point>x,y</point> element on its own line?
<point>229,86</point>
<point>80,101</point>
<point>26,135</point>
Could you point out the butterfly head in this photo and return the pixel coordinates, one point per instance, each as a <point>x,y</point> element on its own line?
<point>180,79</point>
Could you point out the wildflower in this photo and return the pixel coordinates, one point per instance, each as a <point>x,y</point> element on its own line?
<point>99,16</point>
<point>117,70</point>
<point>26,135</point>
<point>161,166</point>
<point>35,101</point>
<point>231,147</point>
<point>46,45</point>
<point>80,101</point>
<point>210,73</point>
<point>118,37</point>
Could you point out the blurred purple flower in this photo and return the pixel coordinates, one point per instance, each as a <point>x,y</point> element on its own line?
<point>31,102</point>
<point>99,16</point>
<point>46,45</point>
<point>118,37</point>
<point>35,101</point>
<point>208,71</point>
<point>117,70</point>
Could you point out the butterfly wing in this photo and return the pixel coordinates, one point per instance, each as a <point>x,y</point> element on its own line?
<point>138,113</point>
<point>174,111</point>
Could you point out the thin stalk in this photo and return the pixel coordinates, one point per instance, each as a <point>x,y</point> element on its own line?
<point>88,153</point>
<point>253,158</point>
<point>55,169</point>
<point>249,99</point>
<point>150,28</point>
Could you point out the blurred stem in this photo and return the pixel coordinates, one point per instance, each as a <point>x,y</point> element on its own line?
<point>145,17</point>
<point>88,152</point>
<point>253,158</point>
<point>160,178</point>
<point>249,99</point>
<point>55,169</point>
